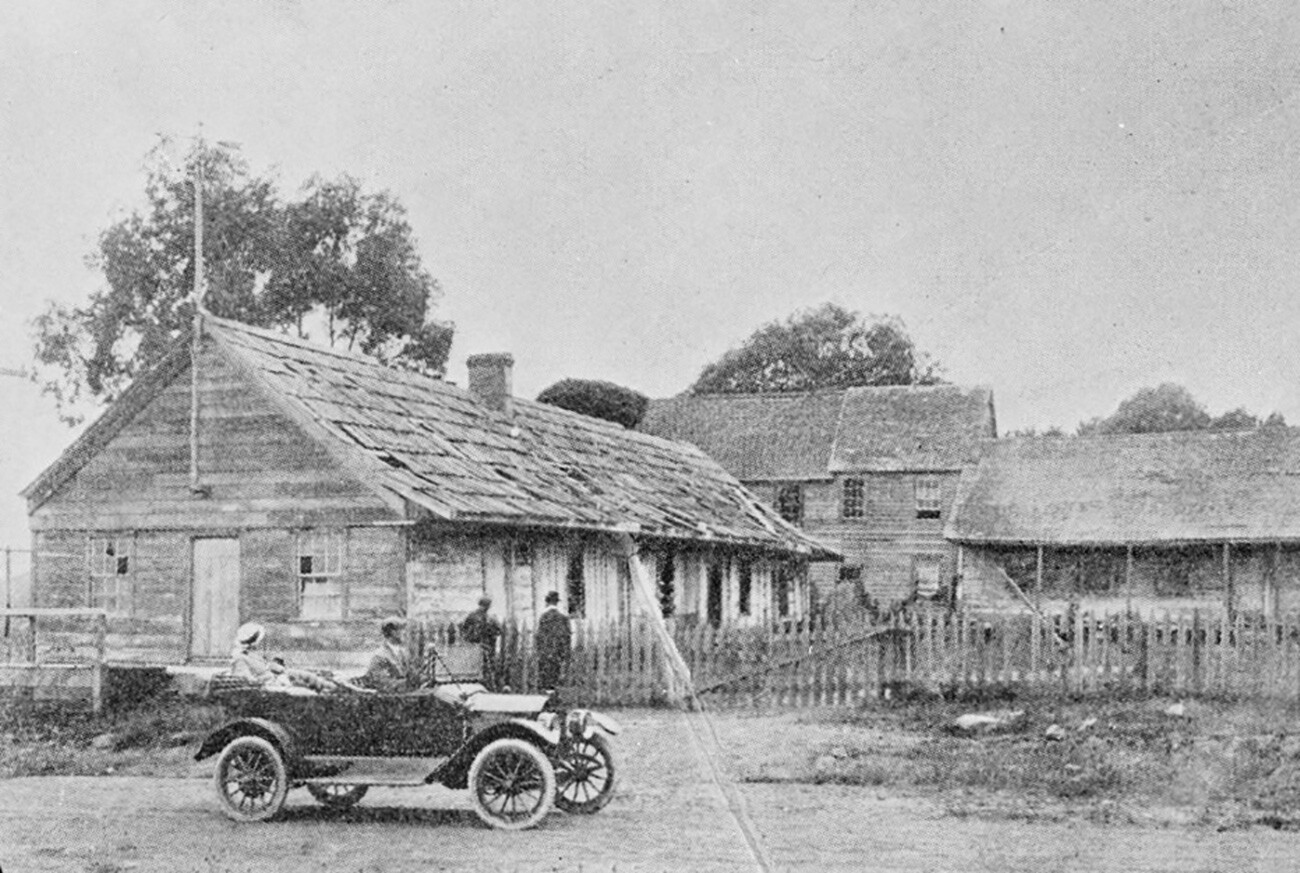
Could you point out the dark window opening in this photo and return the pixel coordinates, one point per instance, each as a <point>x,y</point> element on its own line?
<point>746,586</point>
<point>783,585</point>
<point>523,553</point>
<point>575,584</point>
<point>667,584</point>
<point>853,504</point>
<point>713,603</point>
<point>789,502</point>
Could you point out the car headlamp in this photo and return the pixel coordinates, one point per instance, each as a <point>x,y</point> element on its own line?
<point>578,723</point>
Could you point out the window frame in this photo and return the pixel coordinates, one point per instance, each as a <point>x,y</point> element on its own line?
<point>927,559</point>
<point>120,602</point>
<point>334,553</point>
<point>927,491</point>
<point>853,498</point>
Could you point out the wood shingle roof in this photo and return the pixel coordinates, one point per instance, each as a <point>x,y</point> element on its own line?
<point>814,435</point>
<point>1183,487</point>
<point>436,446</point>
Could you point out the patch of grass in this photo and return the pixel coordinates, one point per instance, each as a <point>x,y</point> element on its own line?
<point>1220,760</point>
<point>39,739</point>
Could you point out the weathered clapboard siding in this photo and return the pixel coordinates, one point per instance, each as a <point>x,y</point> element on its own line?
<point>267,480</point>
<point>260,467</point>
<point>888,537</point>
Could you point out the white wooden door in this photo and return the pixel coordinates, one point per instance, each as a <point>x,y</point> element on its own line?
<point>216,597</point>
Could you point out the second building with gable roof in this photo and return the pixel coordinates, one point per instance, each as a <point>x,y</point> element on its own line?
<point>870,471</point>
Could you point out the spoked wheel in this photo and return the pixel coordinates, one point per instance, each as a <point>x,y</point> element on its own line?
<point>339,797</point>
<point>512,784</point>
<point>585,776</point>
<point>251,779</point>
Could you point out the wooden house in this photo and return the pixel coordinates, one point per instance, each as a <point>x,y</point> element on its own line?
<point>1183,520</point>
<point>871,472</point>
<point>315,490</point>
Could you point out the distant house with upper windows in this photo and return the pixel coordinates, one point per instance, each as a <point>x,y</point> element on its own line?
<point>871,472</point>
<point>315,490</point>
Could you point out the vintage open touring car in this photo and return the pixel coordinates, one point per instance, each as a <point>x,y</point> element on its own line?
<point>518,754</point>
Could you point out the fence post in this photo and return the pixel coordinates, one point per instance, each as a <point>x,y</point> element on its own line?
<point>1198,680</point>
<point>97,676</point>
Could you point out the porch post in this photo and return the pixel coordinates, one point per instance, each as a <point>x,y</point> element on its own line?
<point>1227,576</point>
<point>1038,582</point>
<point>1128,578</point>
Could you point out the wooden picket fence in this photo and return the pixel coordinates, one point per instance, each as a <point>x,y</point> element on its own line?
<point>811,663</point>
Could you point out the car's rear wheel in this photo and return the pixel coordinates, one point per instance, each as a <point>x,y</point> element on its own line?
<point>338,797</point>
<point>511,784</point>
<point>584,777</point>
<point>251,779</point>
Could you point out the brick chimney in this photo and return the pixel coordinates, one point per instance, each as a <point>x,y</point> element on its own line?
<point>490,379</point>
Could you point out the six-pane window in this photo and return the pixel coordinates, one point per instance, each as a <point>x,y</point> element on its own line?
<point>320,575</point>
<point>929,500</point>
<point>852,505</point>
<point>109,561</point>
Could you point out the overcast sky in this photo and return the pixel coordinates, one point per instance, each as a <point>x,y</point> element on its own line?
<point>1066,201</point>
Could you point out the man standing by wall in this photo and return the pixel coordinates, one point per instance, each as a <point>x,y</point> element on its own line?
<point>553,643</point>
<point>479,627</point>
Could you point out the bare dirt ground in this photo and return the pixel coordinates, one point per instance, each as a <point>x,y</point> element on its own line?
<point>669,815</point>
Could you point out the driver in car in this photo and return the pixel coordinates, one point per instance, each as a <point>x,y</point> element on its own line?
<point>390,668</point>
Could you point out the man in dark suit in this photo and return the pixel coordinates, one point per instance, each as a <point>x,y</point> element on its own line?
<point>480,627</point>
<point>554,643</point>
<point>389,668</point>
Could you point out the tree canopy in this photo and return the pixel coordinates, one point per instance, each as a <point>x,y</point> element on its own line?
<point>1170,407</point>
<point>827,347</point>
<point>336,258</point>
<point>597,399</point>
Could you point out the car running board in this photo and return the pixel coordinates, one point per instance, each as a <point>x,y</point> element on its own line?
<point>390,772</point>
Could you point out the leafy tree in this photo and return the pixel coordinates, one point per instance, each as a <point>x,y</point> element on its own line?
<point>1170,407</point>
<point>337,255</point>
<point>598,400</point>
<point>828,347</point>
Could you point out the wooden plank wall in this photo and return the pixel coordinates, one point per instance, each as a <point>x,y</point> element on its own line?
<point>882,542</point>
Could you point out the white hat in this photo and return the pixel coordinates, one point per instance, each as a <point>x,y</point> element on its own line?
<point>249,633</point>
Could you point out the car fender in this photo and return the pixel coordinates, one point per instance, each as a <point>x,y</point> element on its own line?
<point>606,724</point>
<point>455,770</point>
<point>259,727</point>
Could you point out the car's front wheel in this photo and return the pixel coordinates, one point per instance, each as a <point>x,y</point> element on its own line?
<point>511,784</point>
<point>251,779</point>
<point>585,776</point>
<point>339,797</point>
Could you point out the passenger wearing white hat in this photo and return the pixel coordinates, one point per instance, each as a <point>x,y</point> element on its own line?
<point>247,662</point>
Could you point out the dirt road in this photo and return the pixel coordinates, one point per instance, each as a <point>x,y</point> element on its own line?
<point>668,816</point>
